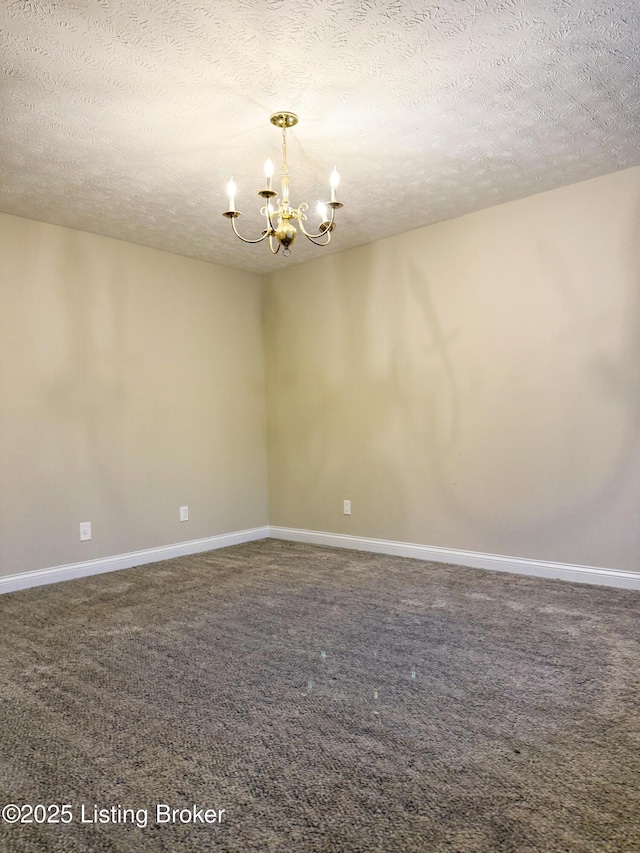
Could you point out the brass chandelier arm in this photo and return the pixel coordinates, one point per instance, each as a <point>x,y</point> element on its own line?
<point>273,251</point>
<point>265,233</point>
<point>325,233</point>
<point>267,213</point>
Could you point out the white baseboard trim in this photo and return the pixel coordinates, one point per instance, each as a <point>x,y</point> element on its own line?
<point>473,559</point>
<point>11,583</point>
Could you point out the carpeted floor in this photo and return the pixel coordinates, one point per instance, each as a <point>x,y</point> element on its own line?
<point>327,700</point>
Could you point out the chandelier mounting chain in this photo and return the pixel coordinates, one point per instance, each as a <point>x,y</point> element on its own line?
<point>282,234</point>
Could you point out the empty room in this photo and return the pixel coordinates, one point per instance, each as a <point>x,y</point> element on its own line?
<point>320,426</point>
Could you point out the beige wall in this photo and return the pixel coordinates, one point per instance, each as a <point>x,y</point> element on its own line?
<point>473,385</point>
<point>131,382</point>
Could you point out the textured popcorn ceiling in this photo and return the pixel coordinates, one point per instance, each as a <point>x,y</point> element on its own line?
<point>127,117</point>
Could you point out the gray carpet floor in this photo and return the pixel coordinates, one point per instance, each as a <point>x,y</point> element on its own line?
<point>327,700</point>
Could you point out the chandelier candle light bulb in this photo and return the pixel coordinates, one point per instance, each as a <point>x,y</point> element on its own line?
<point>281,231</point>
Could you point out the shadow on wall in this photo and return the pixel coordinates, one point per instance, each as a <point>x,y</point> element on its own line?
<point>567,468</point>
<point>447,424</point>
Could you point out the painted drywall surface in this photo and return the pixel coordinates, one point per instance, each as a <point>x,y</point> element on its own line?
<point>131,383</point>
<point>472,385</point>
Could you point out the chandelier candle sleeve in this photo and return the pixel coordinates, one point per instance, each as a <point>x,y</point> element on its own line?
<point>280,216</point>
<point>334,181</point>
<point>268,173</point>
<point>231,192</point>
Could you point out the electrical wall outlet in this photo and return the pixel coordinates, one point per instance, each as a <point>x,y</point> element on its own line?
<point>184,513</point>
<point>346,507</point>
<point>85,530</point>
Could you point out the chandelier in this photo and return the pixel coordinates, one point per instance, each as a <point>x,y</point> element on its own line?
<point>280,229</point>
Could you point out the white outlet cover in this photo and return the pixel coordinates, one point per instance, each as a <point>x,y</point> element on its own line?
<point>184,513</point>
<point>85,531</point>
